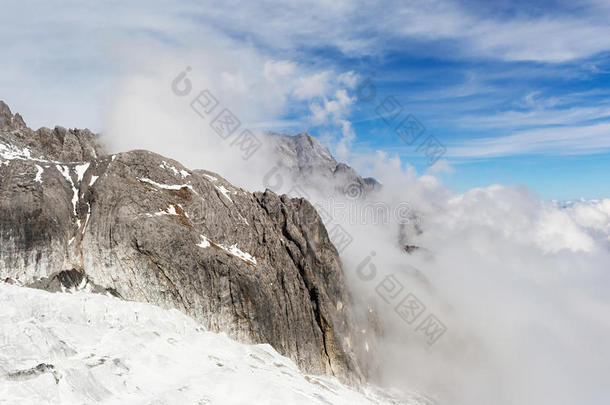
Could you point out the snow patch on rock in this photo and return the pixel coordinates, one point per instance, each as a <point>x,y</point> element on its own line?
<point>167,186</point>
<point>232,250</point>
<point>224,191</point>
<point>39,173</point>
<point>93,180</point>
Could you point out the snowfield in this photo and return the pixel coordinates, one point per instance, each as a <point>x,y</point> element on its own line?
<point>85,348</point>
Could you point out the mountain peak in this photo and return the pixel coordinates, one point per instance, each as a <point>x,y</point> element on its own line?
<point>306,158</point>
<point>8,121</point>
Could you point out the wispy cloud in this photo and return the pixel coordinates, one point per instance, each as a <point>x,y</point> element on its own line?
<point>70,51</point>
<point>556,116</point>
<point>554,37</point>
<point>557,140</point>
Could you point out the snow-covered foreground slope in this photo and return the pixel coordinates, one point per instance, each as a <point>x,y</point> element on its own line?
<point>86,348</point>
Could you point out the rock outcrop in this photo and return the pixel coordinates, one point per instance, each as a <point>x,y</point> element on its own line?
<point>307,162</point>
<point>140,226</point>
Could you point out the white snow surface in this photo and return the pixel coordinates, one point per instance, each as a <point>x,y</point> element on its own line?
<point>224,191</point>
<point>80,171</point>
<point>235,251</point>
<point>167,186</point>
<point>11,152</point>
<point>205,242</point>
<point>170,210</point>
<point>105,350</point>
<point>232,250</point>
<point>39,172</point>
<point>93,180</point>
<point>176,172</point>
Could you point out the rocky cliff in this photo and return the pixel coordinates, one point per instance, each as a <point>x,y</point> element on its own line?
<point>307,162</point>
<point>140,226</point>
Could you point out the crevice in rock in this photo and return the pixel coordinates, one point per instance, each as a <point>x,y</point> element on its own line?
<point>311,289</point>
<point>174,290</point>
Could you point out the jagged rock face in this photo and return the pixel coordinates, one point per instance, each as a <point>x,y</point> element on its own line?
<point>254,265</point>
<point>59,144</point>
<point>306,161</point>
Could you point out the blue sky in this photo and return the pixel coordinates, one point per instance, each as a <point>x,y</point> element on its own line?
<point>526,107</point>
<point>518,93</point>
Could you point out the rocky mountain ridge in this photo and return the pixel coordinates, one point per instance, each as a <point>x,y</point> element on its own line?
<point>306,161</point>
<point>140,226</point>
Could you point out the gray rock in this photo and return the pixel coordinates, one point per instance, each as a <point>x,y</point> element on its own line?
<point>30,373</point>
<point>309,163</point>
<point>257,266</point>
<point>59,144</point>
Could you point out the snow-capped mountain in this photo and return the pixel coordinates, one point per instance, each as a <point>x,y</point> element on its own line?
<point>142,227</point>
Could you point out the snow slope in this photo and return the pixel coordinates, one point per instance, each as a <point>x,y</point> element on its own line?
<point>86,348</point>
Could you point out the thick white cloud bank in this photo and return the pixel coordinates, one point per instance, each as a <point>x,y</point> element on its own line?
<point>521,284</point>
